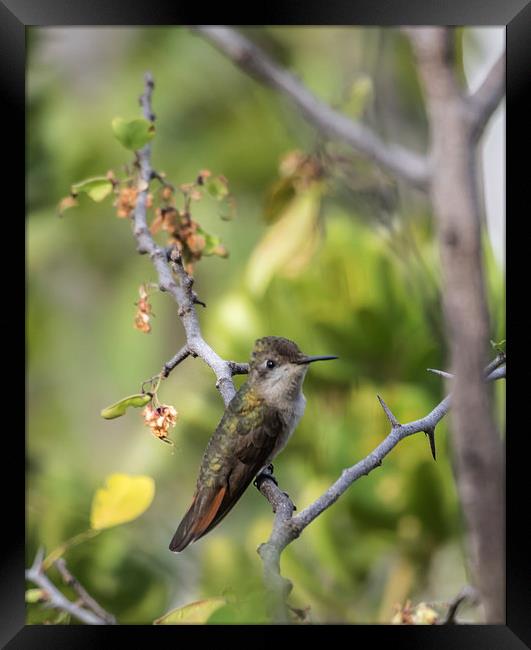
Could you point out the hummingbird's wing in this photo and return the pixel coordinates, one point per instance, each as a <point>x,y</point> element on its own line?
<point>239,448</point>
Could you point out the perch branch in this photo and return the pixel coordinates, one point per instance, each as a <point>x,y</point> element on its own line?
<point>287,527</point>
<point>181,291</point>
<point>55,599</point>
<point>401,162</point>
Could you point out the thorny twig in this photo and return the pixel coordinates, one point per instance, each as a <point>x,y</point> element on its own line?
<point>287,527</point>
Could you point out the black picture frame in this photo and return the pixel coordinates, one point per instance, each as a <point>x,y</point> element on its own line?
<point>15,16</point>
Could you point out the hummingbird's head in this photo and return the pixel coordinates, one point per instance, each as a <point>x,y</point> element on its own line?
<point>277,367</point>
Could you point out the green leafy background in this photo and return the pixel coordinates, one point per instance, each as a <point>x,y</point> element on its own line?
<point>368,292</point>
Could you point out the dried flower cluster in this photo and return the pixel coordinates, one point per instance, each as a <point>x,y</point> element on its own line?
<point>144,312</point>
<point>159,419</point>
<point>191,240</point>
<point>421,614</point>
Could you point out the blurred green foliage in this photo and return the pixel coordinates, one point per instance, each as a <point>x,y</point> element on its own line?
<point>368,291</point>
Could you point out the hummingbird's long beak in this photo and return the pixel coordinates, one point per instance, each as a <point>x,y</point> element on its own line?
<point>312,359</point>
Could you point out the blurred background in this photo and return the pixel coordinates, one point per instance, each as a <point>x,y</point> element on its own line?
<point>357,277</point>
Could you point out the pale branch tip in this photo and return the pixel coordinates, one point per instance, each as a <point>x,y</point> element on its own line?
<point>442,373</point>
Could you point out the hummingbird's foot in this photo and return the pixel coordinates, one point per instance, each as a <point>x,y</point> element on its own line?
<point>265,473</point>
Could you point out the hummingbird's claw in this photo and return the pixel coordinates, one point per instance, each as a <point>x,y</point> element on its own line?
<point>265,473</point>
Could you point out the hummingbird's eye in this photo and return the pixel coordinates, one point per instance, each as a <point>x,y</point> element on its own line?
<point>270,363</point>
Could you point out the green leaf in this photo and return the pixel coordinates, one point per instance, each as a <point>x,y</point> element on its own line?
<point>227,208</point>
<point>197,612</point>
<point>97,188</point>
<point>361,93</point>
<point>250,609</point>
<point>498,346</point>
<point>35,595</point>
<point>133,134</point>
<point>279,196</point>
<point>288,244</point>
<point>217,187</point>
<point>119,408</point>
<point>123,499</point>
<point>213,245</point>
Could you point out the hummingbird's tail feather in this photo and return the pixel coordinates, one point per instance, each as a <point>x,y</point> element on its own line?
<point>197,519</point>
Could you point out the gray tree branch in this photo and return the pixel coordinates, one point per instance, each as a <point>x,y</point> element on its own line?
<point>57,600</point>
<point>401,162</point>
<point>87,600</point>
<point>182,292</point>
<point>477,447</point>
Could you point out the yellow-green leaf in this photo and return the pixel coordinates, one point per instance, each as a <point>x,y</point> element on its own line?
<point>35,595</point>
<point>119,408</point>
<point>289,243</point>
<point>123,499</point>
<point>133,134</point>
<point>361,93</point>
<point>278,198</point>
<point>217,187</point>
<point>213,245</point>
<point>97,188</point>
<point>197,612</point>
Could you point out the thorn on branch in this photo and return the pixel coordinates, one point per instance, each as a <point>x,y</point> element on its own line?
<point>442,373</point>
<point>196,300</point>
<point>394,422</point>
<point>430,433</point>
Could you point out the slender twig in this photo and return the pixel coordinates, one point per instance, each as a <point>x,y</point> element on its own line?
<point>492,371</point>
<point>181,355</point>
<point>182,292</point>
<point>482,104</point>
<point>55,599</point>
<point>401,162</point>
<point>86,599</point>
<point>287,528</point>
<point>467,593</point>
<point>441,373</point>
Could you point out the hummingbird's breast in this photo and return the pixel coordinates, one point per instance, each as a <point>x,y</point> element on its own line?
<point>291,413</point>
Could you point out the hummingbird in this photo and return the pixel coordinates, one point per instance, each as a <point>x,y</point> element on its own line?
<point>255,427</point>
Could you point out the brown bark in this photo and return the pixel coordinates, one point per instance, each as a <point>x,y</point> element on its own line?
<point>478,451</point>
